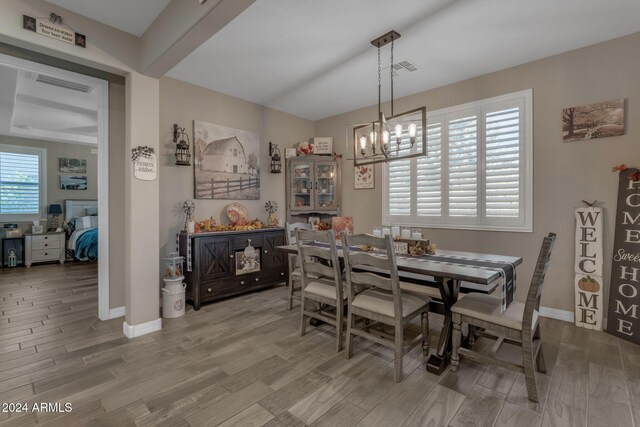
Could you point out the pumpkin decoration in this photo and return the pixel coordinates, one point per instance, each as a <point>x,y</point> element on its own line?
<point>589,284</point>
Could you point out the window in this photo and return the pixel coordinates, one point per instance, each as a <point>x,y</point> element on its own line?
<point>22,195</point>
<point>477,174</point>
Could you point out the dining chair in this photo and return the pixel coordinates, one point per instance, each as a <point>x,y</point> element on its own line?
<point>518,324</point>
<point>294,268</point>
<point>321,280</point>
<point>374,294</point>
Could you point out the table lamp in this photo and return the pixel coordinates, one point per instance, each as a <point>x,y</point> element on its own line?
<point>55,210</point>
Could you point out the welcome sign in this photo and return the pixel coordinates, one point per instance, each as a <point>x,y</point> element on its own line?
<point>588,268</point>
<point>622,319</point>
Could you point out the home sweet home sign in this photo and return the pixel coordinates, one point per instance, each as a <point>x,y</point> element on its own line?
<point>588,268</point>
<point>624,294</point>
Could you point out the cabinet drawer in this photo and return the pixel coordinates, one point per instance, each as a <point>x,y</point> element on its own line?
<point>40,255</point>
<point>241,242</point>
<point>51,240</point>
<point>45,243</point>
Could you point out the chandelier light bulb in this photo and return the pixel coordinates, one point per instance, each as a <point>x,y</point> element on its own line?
<point>363,142</point>
<point>399,131</point>
<point>412,130</point>
<point>385,137</point>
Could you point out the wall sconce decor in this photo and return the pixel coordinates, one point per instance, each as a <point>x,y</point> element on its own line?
<point>183,156</point>
<point>276,160</point>
<point>400,136</point>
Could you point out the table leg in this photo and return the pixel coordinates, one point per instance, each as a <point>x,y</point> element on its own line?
<point>438,362</point>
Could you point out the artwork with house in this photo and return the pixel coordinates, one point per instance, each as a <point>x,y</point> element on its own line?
<point>227,162</point>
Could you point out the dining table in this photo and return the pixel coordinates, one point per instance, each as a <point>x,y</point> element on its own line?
<point>449,272</point>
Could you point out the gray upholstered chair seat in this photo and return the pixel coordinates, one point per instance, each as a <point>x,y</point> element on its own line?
<point>324,288</point>
<point>488,308</point>
<point>381,302</point>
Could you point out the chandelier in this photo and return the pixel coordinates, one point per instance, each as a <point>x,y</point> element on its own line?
<point>399,136</point>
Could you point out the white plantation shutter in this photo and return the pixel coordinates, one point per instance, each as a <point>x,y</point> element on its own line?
<point>20,181</point>
<point>429,175</point>
<point>477,174</point>
<point>463,167</point>
<point>400,187</point>
<point>502,163</point>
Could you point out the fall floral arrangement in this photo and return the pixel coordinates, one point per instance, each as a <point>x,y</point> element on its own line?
<point>623,167</point>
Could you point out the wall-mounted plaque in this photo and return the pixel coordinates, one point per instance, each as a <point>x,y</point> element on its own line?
<point>624,297</point>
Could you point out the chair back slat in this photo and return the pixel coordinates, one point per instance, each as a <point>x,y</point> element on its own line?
<point>363,258</point>
<point>387,280</point>
<point>370,279</point>
<point>318,269</point>
<point>537,282</point>
<point>318,260</point>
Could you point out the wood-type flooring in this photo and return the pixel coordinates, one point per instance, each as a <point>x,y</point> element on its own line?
<point>241,362</point>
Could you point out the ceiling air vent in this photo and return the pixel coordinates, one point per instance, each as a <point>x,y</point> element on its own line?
<point>54,81</point>
<point>404,66</point>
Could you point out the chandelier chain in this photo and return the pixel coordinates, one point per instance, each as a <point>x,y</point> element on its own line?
<point>379,82</point>
<point>391,71</point>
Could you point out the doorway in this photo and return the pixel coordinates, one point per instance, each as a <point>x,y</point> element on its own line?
<point>45,103</point>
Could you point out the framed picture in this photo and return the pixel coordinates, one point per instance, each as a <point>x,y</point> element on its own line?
<point>290,152</point>
<point>227,162</point>
<point>72,182</point>
<point>600,120</point>
<point>68,165</point>
<point>323,145</point>
<point>247,261</point>
<point>364,177</point>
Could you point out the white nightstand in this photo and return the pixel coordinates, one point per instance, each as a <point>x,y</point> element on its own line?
<point>44,247</point>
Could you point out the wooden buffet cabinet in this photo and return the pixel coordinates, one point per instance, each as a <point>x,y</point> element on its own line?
<point>214,272</point>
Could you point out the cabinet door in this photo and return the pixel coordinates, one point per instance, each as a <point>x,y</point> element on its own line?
<point>215,257</point>
<point>301,185</point>
<point>326,186</point>
<point>271,257</point>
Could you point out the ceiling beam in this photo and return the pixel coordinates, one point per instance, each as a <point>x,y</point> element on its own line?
<point>181,28</point>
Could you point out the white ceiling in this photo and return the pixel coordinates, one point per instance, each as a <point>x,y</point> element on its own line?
<point>313,58</point>
<point>132,16</point>
<point>32,109</point>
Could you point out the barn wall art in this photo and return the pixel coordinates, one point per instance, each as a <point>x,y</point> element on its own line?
<point>227,162</point>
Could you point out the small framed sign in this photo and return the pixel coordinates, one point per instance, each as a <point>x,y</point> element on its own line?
<point>145,163</point>
<point>290,152</point>
<point>323,145</point>
<point>401,248</point>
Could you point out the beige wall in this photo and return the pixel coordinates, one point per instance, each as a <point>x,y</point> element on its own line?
<point>564,173</point>
<point>56,150</point>
<point>182,103</point>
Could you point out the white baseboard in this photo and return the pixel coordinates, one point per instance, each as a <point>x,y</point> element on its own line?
<point>132,331</point>
<point>114,313</point>
<point>554,313</point>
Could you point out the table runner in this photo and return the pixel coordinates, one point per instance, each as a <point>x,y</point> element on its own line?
<point>507,271</point>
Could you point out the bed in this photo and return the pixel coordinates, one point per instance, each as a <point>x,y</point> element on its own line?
<point>81,225</point>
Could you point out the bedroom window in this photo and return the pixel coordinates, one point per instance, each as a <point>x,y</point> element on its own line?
<point>478,172</point>
<point>22,186</point>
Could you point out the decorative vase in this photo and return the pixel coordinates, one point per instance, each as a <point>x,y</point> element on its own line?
<point>272,220</point>
<point>191,227</point>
